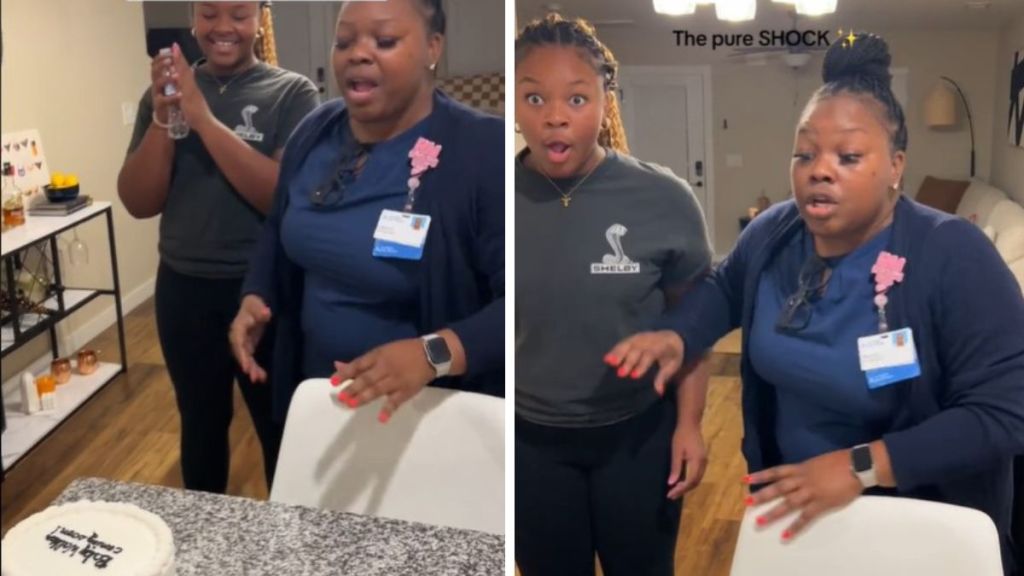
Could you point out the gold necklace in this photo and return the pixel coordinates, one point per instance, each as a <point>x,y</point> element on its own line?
<point>222,87</point>
<point>567,196</point>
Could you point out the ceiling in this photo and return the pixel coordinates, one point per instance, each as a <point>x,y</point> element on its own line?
<point>869,15</point>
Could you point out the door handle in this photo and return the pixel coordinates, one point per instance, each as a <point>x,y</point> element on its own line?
<point>320,80</point>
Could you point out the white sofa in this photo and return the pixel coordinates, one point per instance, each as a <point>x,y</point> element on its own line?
<point>1001,219</point>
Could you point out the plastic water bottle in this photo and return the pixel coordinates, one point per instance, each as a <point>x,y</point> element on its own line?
<point>178,126</point>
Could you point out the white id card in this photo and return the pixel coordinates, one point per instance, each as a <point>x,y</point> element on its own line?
<point>400,235</point>
<point>889,357</point>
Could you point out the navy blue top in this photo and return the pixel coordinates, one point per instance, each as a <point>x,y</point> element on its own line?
<point>352,301</point>
<point>958,425</point>
<point>461,277</point>
<point>824,403</point>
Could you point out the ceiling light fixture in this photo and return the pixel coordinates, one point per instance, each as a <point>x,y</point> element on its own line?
<point>815,7</point>
<point>675,7</point>
<point>736,10</point>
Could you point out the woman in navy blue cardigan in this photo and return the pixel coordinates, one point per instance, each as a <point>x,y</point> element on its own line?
<point>816,282</point>
<point>342,305</point>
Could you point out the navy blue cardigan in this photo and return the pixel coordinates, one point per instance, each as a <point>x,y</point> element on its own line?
<point>462,281</point>
<point>960,422</point>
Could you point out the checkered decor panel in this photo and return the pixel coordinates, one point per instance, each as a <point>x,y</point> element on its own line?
<point>484,92</point>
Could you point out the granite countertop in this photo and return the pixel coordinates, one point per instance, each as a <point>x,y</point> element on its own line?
<point>228,535</point>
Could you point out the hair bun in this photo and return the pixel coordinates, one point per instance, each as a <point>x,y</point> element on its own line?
<point>868,57</point>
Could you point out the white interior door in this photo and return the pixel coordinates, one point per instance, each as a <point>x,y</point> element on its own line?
<point>305,39</point>
<point>666,115</point>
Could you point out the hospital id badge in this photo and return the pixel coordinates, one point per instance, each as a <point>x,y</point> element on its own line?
<point>400,235</point>
<point>888,358</point>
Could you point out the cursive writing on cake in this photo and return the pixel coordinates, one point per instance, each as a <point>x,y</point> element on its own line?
<point>71,543</point>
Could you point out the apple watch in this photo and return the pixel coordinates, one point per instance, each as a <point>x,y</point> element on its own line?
<point>438,354</point>
<point>862,466</point>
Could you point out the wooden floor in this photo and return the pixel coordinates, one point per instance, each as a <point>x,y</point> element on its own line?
<point>129,431</point>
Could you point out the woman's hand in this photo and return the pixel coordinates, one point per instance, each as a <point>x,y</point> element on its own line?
<point>191,100</point>
<point>398,370</point>
<point>246,331</point>
<point>161,72</point>
<point>635,355</point>
<point>813,487</point>
<point>689,460</point>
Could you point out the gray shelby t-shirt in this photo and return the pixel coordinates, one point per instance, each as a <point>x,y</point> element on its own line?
<point>208,229</point>
<point>588,276</point>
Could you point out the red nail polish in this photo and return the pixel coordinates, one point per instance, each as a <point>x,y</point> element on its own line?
<point>761,521</point>
<point>637,374</point>
<point>623,372</point>
<point>749,500</point>
<point>787,535</point>
<point>383,417</point>
<point>352,402</point>
<point>343,397</point>
<point>609,359</point>
<point>335,380</point>
<point>748,479</point>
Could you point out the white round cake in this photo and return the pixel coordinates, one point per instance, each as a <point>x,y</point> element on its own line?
<point>89,538</point>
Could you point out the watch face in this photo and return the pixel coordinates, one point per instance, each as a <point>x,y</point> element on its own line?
<point>437,351</point>
<point>862,459</point>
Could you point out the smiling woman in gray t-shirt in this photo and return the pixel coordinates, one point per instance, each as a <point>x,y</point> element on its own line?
<point>603,242</point>
<point>212,190</point>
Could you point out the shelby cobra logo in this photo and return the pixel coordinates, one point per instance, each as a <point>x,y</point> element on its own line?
<point>247,131</point>
<point>617,262</point>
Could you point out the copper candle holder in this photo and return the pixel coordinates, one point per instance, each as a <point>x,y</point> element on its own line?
<point>60,369</point>
<point>88,361</point>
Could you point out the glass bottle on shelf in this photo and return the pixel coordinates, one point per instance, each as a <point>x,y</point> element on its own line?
<point>13,201</point>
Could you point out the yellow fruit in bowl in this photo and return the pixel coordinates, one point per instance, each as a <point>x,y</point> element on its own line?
<point>70,180</point>
<point>57,179</point>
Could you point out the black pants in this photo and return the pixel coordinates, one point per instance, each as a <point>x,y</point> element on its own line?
<point>586,490</point>
<point>193,316</point>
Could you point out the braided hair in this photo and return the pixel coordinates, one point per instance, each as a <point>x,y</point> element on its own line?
<point>553,30</point>
<point>266,45</point>
<point>863,69</point>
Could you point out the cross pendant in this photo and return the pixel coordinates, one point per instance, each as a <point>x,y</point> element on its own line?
<point>565,201</point>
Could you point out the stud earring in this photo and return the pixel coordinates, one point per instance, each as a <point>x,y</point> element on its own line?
<point>432,66</point>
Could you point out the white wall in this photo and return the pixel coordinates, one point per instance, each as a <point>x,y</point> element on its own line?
<point>1007,161</point>
<point>68,66</point>
<point>761,105</point>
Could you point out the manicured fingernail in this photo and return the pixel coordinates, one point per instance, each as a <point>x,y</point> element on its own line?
<point>623,372</point>
<point>787,535</point>
<point>335,380</point>
<point>383,417</point>
<point>749,500</point>
<point>610,359</point>
<point>353,402</point>
<point>343,397</point>
<point>748,479</point>
<point>761,521</point>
